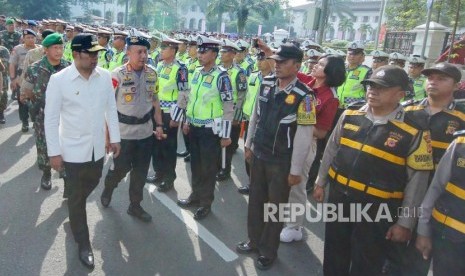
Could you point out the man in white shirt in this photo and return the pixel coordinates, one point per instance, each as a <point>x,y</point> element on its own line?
<point>79,103</point>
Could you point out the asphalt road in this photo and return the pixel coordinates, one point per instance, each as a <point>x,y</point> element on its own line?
<point>35,237</point>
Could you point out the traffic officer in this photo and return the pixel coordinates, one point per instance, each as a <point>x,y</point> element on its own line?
<point>380,58</point>
<point>352,89</point>
<point>137,102</point>
<point>154,52</point>
<point>182,54</point>
<point>313,56</point>
<point>239,84</point>
<point>397,59</point>
<point>416,65</point>
<point>173,88</point>
<point>242,59</point>
<point>60,26</point>
<point>378,157</point>
<point>104,57</point>
<point>68,52</point>
<point>34,86</point>
<point>266,68</point>
<point>445,117</point>
<point>277,145</point>
<point>10,37</point>
<point>442,222</point>
<point>119,42</point>
<point>209,117</point>
<point>4,69</point>
<point>16,69</point>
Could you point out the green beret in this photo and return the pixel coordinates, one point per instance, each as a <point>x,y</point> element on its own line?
<point>9,21</point>
<point>52,39</point>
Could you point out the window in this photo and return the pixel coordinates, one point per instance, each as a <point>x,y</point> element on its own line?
<point>376,19</point>
<point>193,8</point>
<point>365,19</point>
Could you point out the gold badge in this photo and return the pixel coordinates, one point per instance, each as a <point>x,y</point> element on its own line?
<point>461,162</point>
<point>208,79</point>
<point>128,98</point>
<point>393,139</point>
<point>452,127</point>
<point>290,99</point>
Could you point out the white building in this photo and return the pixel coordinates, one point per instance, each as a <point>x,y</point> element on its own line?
<point>192,17</point>
<point>365,16</point>
<point>113,11</point>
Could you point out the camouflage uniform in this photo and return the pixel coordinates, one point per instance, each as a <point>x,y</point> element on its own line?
<point>10,40</point>
<point>36,79</point>
<point>5,57</point>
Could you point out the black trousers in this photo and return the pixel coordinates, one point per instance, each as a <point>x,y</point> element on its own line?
<point>246,131</point>
<point>23,109</point>
<point>164,151</point>
<point>313,173</point>
<point>82,178</point>
<point>205,152</point>
<point>359,248</point>
<point>447,256</point>
<point>235,133</point>
<point>268,184</point>
<point>135,158</point>
<point>415,265</point>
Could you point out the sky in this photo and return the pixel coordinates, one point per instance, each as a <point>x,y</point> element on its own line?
<point>294,3</point>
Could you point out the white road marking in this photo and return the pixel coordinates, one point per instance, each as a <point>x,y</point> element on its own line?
<point>227,254</point>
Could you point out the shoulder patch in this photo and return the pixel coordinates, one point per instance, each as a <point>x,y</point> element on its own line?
<point>422,158</point>
<point>306,112</point>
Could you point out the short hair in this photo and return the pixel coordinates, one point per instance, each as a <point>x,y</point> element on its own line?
<point>335,70</point>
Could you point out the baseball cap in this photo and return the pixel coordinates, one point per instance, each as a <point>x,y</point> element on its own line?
<point>288,51</point>
<point>389,76</point>
<point>444,68</point>
<point>85,42</point>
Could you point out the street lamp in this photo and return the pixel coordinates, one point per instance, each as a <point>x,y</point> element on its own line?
<point>164,14</point>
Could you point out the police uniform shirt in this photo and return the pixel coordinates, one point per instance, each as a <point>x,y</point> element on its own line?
<point>17,57</point>
<point>302,141</point>
<point>240,85</point>
<point>134,97</point>
<point>182,84</point>
<point>436,189</point>
<point>416,186</point>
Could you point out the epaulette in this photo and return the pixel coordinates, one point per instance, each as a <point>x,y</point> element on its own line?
<point>221,68</point>
<point>356,105</point>
<point>460,105</point>
<point>460,133</point>
<point>410,103</point>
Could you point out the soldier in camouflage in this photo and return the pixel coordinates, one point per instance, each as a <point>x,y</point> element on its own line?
<point>10,38</point>
<point>34,86</point>
<point>4,58</point>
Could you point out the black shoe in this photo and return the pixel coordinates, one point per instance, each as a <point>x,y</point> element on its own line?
<point>165,186</point>
<point>25,127</point>
<point>245,248</point>
<point>156,178</point>
<point>243,190</point>
<point>183,154</point>
<point>138,212</point>
<point>46,181</point>
<point>105,198</point>
<point>86,256</point>
<point>264,263</point>
<point>202,212</point>
<point>2,118</point>
<point>223,175</point>
<point>188,202</point>
<point>187,158</point>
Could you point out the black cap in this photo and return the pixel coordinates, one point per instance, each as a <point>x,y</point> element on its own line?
<point>85,42</point>
<point>137,40</point>
<point>444,68</point>
<point>390,76</point>
<point>29,32</point>
<point>288,51</point>
<point>46,32</point>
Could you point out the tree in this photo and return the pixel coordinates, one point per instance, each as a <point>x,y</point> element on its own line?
<point>139,10</point>
<point>218,8</point>
<point>346,25</point>
<point>364,30</point>
<point>264,8</point>
<point>405,15</point>
<point>341,8</point>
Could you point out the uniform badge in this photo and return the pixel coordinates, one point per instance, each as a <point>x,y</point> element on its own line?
<point>393,139</point>
<point>208,79</point>
<point>128,98</point>
<point>461,162</point>
<point>452,127</point>
<point>266,91</point>
<point>127,78</point>
<point>290,99</point>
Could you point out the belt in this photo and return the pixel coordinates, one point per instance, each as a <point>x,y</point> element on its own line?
<point>363,187</point>
<point>200,123</point>
<point>131,120</point>
<point>451,222</point>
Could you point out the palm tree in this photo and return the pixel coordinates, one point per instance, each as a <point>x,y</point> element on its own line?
<point>140,6</point>
<point>364,30</point>
<point>218,8</point>
<point>346,24</point>
<point>339,8</point>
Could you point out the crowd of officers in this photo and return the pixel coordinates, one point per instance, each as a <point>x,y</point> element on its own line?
<point>391,143</point>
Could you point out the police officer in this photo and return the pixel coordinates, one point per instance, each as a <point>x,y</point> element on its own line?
<point>352,89</point>
<point>445,117</point>
<point>68,53</point>
<point>34,85</point>
<point>380,58</point>
<point>209,116</point>
<point>242,59</point>
<point>172,92</point>
<point>313,56</point>
<point>239,84</point>
<point>380,157</point>
<point>277,144</point>
<point>16,69</point>
<point>154,52</point>
<point>119,42</point>
<point>4,58</point>
<point>416,65</point>
<point>60,26</point>
<point>442,221</point>
<point>397,59</point>
<point>266,68</point>
<point>10,37</point>
<point>182,54</point>
<point>136,100</point>
<point>104,57</point>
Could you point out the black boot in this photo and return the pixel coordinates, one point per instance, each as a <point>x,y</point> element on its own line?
<point>105,198</point>
<point>25,127</point>
<point>2,118</point>
<point>46,181</point>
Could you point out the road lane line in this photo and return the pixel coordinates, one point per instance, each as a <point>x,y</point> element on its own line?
<point>227,254</point>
